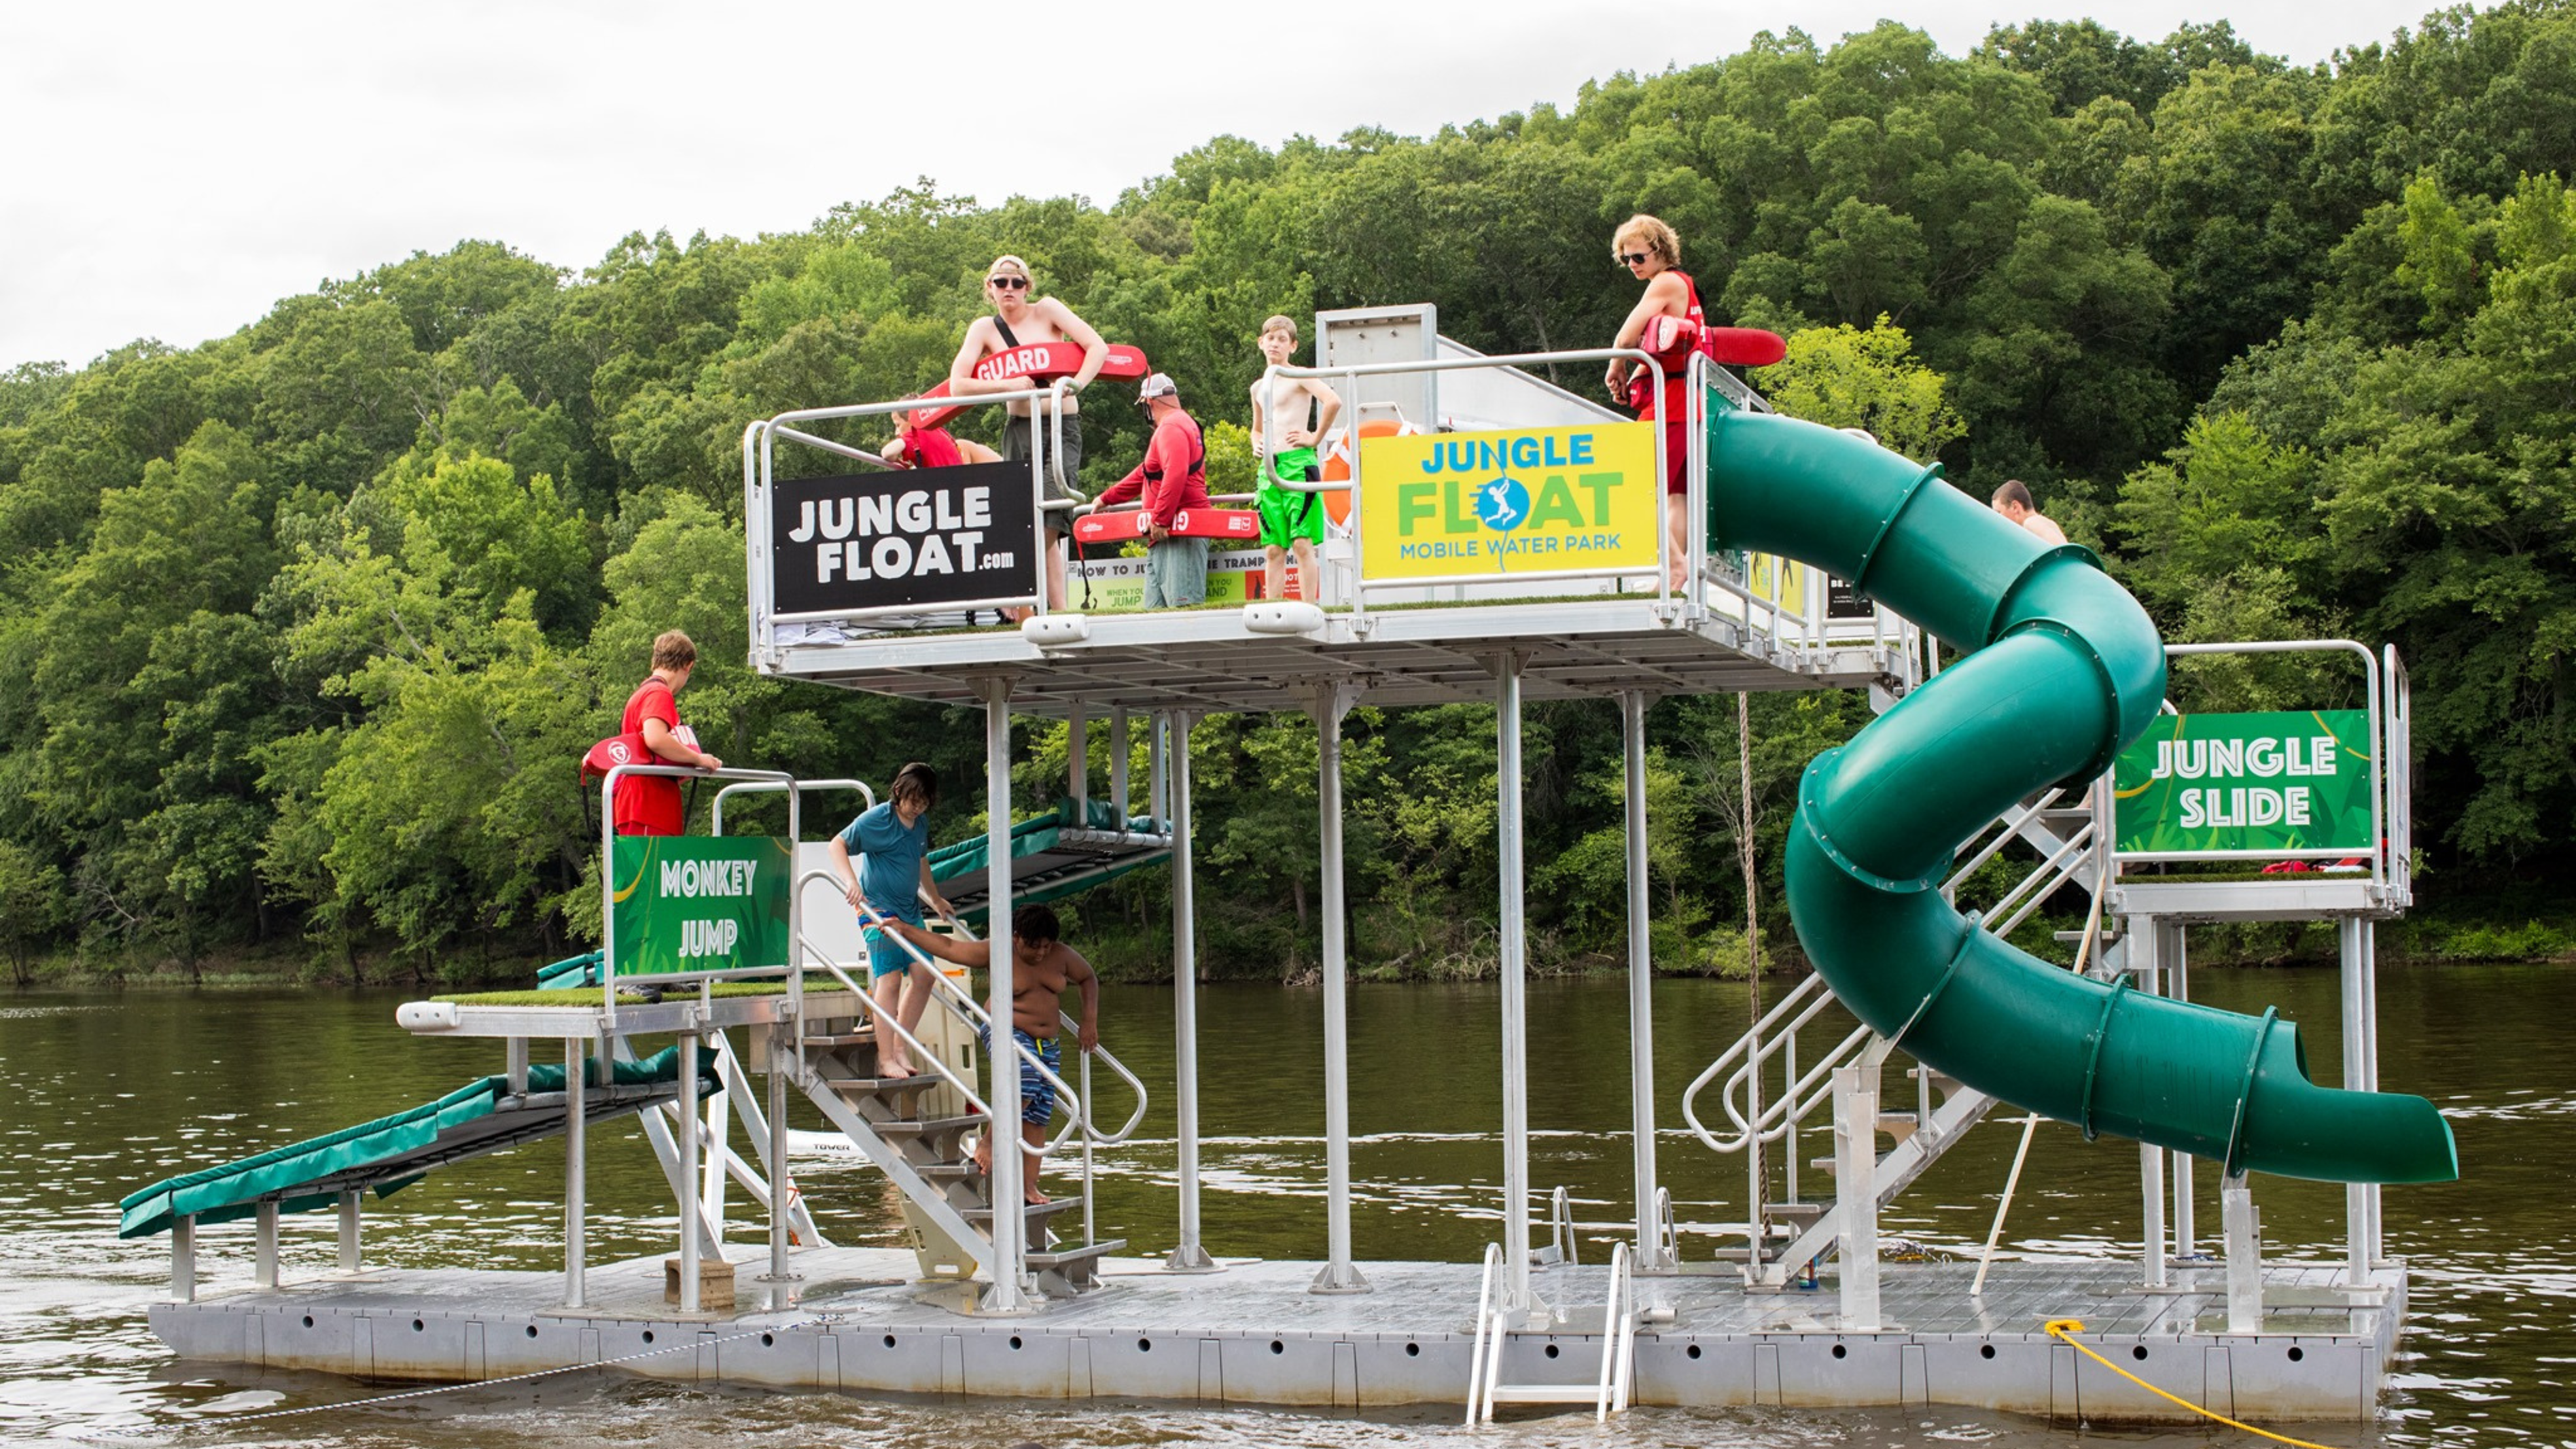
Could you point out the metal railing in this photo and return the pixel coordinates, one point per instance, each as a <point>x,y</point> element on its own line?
<point>1775,1035</point>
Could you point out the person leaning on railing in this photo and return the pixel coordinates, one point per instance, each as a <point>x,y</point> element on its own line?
<point>651,804</point>
<point>1172,480</point>
<point>1652,253</point>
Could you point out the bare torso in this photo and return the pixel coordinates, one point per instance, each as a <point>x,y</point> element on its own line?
<point>1037,990</point>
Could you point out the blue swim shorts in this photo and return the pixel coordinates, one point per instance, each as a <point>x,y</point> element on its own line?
<point>1037,1094</point>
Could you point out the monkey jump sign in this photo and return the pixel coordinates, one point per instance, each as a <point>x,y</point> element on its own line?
<point>907,540</point>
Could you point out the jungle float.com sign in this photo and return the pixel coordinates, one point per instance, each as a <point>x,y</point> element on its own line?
<point>2284,783</point>
<point>921,537</point>
<point>1486,505</point>
<point>688,903</point>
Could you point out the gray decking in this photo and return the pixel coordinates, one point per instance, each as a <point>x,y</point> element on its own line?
<point>1254,1335</point>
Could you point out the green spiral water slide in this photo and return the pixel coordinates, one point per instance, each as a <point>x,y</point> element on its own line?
<point>2061,670</point>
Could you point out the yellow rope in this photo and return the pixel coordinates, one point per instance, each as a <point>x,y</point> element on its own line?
<point>2061,1329</point>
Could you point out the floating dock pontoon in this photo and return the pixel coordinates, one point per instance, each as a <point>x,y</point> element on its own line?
<point>1496,539</point>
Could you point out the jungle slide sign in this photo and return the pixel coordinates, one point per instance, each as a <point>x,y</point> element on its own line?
<point>692,903</point>
<point>1486,505</point>
<point>2273,784</point>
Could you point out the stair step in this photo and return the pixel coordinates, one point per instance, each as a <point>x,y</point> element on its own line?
<point>927,1127</point>
<point>832,1041</point>
<point>1941,1081</point>
<point>1899,1125</point>
<point>1805,1212</point>
<point>882,1086</point>
<point>1545,1393</point>
<point>2108,935</point>
<point>1063,1257</point>
<point>965,1171</point>
<point>1032,1212</point>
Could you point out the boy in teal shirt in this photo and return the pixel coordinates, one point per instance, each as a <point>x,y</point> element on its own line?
<point>892,879</point>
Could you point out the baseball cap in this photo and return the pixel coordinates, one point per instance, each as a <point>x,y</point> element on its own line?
<point>1158,385</point>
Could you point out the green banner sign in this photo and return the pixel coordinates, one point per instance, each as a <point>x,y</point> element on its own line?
<point>698,903</point>
<point>2291,784</point>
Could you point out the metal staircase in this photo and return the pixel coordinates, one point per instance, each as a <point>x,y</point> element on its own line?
<point>1786,1234</point>
<point>931,1156</point>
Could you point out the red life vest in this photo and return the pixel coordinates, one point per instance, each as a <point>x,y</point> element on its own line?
<point>644,804</point>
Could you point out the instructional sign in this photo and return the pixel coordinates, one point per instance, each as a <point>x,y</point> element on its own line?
<point>1107,585</point>
<point>2291,784</point>
<point>1535,500</point>
<point>698,903</point>
<point>926,536</point>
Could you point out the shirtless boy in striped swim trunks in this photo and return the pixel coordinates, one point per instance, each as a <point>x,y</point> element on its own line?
<point>1042,966</point>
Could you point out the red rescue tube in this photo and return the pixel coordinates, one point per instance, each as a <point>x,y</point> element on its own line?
<point>1746,346</point>
<point>1236,523</point>
<point>1035,363</point>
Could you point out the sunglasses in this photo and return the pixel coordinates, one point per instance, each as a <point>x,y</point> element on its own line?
<point>1007,284</point>
<point>1634,259</point>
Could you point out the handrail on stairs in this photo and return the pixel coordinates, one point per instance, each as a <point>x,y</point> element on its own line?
<point>1134,1083</point>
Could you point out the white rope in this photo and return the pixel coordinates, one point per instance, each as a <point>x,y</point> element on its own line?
<point>688,1345</point>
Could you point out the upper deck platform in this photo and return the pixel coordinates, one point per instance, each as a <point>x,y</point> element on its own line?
<point>1477,512</point>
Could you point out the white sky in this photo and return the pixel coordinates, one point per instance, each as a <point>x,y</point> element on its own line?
<point>171,170</point>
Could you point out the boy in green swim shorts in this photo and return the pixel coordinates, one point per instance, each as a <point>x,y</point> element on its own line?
<point>1303,410</point>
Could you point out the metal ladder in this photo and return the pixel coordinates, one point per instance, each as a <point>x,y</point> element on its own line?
<point>929,1158</point>
<point>1784,1235</point>
<point>1607,1392</point>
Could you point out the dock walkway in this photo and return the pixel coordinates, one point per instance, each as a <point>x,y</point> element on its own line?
<point>859,1322</point>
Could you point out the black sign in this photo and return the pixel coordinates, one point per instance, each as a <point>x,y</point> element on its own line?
<point>927,536</point>
<point>1842,601</point>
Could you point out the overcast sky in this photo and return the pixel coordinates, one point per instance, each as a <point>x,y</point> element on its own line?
<point>172,170</point>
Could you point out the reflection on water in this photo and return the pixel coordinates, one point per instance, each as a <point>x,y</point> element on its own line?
<point>114,1091</point>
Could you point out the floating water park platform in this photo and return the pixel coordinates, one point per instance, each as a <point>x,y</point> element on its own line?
<point>859,1322</point>
<point>2035,729</point>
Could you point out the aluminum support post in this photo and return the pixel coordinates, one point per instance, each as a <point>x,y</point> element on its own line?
<point>514,1058</point>
<point>1641,981</point>
<point>1158,795</point>
<point>1009,1294</point>
<point>1517,1297</point>
<point>349,1231</point>
<point>2143,938</point>
<point>183,1260</point>
<point>2353,940</point>
<point>1339,1275</point>
<point>2244,1255</point>
<point>1856,1183</point>
<point>716,1144</point>
<point>1077,766</point>
<point>576,1171</point>
<point>1118,749</point>
<point>264,1253</point>
<point>2174,952</point>
<point>2370,1070</point>
<point>782,1193</point>
<point>1187,1256</point>
<point>688,1173</point>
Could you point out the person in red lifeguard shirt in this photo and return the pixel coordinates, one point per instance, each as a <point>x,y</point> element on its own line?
<point>914,446</point>
<point>1652,253</point>
<point>1172,480</point>
<point>650,804</point>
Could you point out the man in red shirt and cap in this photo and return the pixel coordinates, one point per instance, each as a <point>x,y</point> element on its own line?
<point>1172,480</point>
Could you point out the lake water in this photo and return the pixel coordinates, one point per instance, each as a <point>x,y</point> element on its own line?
<point>115,1090</point>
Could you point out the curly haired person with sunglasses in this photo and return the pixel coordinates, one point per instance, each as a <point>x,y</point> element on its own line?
<point>1652,253</point>
<point>1021,317</point>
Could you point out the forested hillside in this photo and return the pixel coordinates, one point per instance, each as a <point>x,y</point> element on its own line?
<point>302,630</point>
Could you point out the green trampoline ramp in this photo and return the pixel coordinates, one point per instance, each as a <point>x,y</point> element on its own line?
<point>2062,669</point>
<point>392,1153</point>
<point>1066,851</point>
